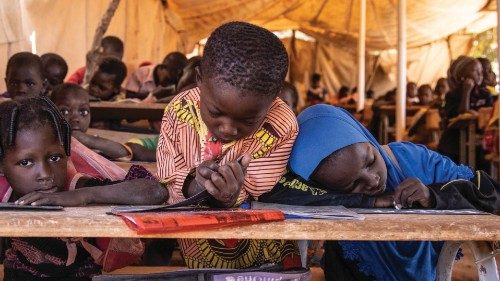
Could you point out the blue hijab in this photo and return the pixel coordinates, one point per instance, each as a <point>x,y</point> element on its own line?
<point>324,129</point>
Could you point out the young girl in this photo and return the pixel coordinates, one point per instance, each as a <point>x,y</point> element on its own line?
<point>35,142</point>
<point>73,103</point>
<point>336,152</point>
<point>24,76</point>
<point>466,77</point>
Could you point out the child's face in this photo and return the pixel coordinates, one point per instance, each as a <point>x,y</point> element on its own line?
<point>55,75</point>
<point>442,87</point>
<point>102,86</point>
<point>36,162</point>
<point>425,96</point>
<point>411,90</point>
<point>490,78</point>
<point>359,168</point>
<point>229,113</point>
<point>24,82</point>
<point>74,106</point>
<point>473,70</point>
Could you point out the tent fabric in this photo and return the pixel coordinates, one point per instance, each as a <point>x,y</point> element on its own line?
<point>152,28</point>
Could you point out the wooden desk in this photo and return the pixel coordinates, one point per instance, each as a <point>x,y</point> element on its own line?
<point>117,136</point>
<point>390,110</point>
<point>126,110</point>
<point>93,222</point>
<point>467,125</point>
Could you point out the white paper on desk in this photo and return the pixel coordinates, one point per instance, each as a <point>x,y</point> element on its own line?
<point>418,211</point>
<point>311,212</point>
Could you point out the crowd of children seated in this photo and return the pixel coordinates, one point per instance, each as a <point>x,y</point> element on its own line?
<point>232,127</point>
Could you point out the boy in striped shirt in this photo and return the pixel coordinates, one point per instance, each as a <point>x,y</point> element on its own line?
<point>232,136</point>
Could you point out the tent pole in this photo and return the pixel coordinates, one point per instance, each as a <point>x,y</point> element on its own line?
<point>401,95</point>
<point>361,55</point>
<point>498,59</point>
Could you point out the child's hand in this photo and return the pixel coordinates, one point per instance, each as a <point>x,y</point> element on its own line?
<point>384,200</point>
<point>468,84</point>
<point>225,185</point>
<point>411,191</point>
<point>204,172</point>
<point>66,198</point>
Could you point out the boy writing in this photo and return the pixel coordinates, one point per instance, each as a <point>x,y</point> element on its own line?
<point>232,137</point>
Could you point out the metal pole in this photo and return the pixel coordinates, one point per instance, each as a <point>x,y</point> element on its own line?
<point>401,95</point>
<point>361,55</point>
<point>498,60</point>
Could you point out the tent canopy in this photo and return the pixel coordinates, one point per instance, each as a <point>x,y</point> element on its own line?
<point>437,32</point>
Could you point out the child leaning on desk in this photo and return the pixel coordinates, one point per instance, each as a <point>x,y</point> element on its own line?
<point>232,136</point>
<point>340,163</point>
<point>73,103</point>
<point>35,144</point>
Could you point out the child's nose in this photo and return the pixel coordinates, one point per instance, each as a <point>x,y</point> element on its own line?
<point>44,173</point>
<point>228,129</point>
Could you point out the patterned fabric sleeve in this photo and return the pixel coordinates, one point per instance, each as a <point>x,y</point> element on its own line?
<point>172,165</point>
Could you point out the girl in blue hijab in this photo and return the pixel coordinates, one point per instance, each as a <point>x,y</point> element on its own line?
<point>335,151</point>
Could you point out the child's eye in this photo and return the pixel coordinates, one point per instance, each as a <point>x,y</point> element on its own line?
<point>13,83</point>
<point>25,163</point>
<point>55,158</point>
<point>84,112</point>
<point>213,113</point>
<point>64,112</point>
<point>30,84</point>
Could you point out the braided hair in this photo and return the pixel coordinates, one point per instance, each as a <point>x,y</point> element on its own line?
<point>31,113</point>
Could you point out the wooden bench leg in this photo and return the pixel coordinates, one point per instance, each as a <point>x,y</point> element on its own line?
<point>483,255</point>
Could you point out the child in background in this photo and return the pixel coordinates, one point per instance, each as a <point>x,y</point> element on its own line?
<point>425,95</point>
<point>440,90</point>
<point>152,80</point>
<point>106,83</point>
<point>221,135</point>
<point>466,77</point>
<point>35,145</point>
<point>111,46</point>
<point>73,103</point>
<point>316,93</point>
<point>24,76</point>
<point>489,77</point>
<point>290,96</point>
<point>411,93</point>
<point>188,78</point>
<point>338,154</point>
<point>55,68</point>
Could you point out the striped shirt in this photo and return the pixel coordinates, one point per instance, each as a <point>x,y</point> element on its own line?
<point>183,141</point>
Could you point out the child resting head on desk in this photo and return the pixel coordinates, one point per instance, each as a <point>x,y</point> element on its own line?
<point>231,136</point>
<point>35,144</point>
<point>73,103</point>
<point>334,151</point>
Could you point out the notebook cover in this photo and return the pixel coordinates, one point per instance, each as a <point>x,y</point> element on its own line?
<point>161,222</point>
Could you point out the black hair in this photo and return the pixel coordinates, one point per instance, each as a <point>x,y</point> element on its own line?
<point>287,86</point>
<point>424,87</point>
<point>114,43</point>
<point>484,63</point>
<point>247,57</point>
<point>315,77</point>
<point>25,59</point>
<point>114,66</point>
<point>343,91</point>
<point>50,59</point>
<point>369,94</point>
<point>188,77</point>
<point>61,90</point>
<point>31,113</point>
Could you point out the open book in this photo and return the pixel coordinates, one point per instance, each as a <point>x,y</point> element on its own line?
<point>310,212</point>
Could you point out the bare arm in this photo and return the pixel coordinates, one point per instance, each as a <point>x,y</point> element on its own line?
<point>141,153</point>
<point>109,148</point>
<point>133,192</point>
<point>468,85</point>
